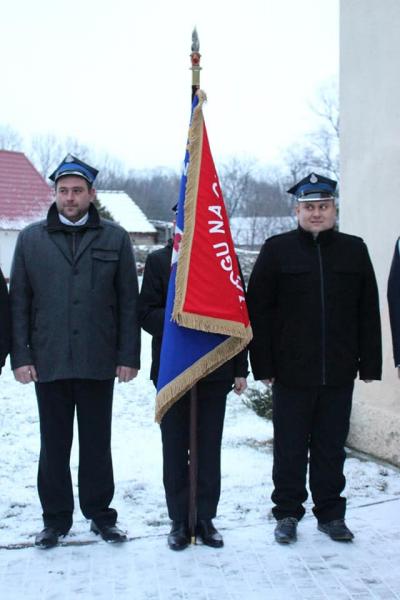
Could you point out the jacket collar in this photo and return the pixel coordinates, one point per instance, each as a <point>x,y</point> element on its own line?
<point>53,222</point>
<point>324,237</point>
<point>54,226</point>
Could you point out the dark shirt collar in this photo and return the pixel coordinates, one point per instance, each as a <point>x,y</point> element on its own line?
<point>53,222</point>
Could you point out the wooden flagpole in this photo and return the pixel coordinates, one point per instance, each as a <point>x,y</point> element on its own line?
<point>195,68</point>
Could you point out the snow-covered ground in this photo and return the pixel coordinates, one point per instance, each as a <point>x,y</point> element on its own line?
<point>139,497</point>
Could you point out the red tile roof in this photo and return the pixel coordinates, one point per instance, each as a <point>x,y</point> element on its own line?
<point>24,195</point>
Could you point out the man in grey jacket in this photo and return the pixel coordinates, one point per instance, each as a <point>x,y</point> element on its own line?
<point>74,329</point>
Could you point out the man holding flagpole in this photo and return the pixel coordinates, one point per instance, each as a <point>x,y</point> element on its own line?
<point>202,317</point>
<point>211,397</point>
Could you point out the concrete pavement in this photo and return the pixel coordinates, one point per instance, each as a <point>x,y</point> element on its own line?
<point>251,566</point>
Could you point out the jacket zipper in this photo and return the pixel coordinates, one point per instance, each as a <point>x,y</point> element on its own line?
<point>323,332</point>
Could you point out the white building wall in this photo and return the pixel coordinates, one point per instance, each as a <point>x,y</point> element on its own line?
<point>370,187</point>
<point>8,239</point>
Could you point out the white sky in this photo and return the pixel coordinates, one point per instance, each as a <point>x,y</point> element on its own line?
<point>115,73</point>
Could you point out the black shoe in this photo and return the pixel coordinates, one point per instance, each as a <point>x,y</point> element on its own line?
<point>109,533</point>
<point>208,534</point>
<point>286,530</point>
<point>48,538</point>
<point>178,537</point>
<point>337,530</point>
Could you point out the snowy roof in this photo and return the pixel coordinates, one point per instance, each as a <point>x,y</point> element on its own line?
<point>125,211</point>
<point>25,196</point>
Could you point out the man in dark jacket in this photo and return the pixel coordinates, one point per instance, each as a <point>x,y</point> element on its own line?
<point>74,314</point>
<point>211,393</point>
<point>393,295</point>
<point>313,304</point>
<point>5,321</point>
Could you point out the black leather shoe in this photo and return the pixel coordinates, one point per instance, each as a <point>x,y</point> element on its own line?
<point>178,537</point>
<point>210,536</point>
<point>286,530</point>
<point>48,538</point>
<point>337,530</point>
<point>109,533</point>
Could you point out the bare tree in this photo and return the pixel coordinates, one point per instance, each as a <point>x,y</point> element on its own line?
<point>299,161</point>
<point>10,139</point>
<point>326,105</point>
<point>77,148</point>
<point>325,140</point>
<point>269,198</point>
<point>111,175</point>
<point>319,151</point>
<point>156,192</point>
<point>46,152</point>
<point>236,183</point>
<point>326,152</point>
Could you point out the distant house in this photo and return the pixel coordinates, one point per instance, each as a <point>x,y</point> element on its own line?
<point>25,197</point>
<point>127,213</point>
<point>165,230</point>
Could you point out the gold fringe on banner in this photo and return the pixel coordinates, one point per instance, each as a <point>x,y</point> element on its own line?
<point>192,186</point>
<point>205,365</point>
<point>211,324</point>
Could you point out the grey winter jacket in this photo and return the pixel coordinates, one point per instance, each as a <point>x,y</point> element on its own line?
<point>74,316</point>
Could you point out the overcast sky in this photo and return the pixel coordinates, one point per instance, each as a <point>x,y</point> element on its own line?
<point>115,73</point>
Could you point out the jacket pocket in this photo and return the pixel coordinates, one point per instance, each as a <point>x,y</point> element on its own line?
<point>104,266</point>
<point>346,283</point>
<point>295,279</point>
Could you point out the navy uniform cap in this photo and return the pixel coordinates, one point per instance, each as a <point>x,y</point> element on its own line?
<point>71,165</point>
<point>314,187</point>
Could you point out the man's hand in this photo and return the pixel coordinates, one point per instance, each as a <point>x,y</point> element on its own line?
<point>240,385</point>
<point>25,374</point>
<point>268,381</point>
<point>126,374</point>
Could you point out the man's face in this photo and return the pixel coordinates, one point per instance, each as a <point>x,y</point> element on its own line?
<point>316,216</point>
<point>73,197</point>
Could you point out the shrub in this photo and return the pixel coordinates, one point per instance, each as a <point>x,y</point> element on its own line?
<point>259,400</point>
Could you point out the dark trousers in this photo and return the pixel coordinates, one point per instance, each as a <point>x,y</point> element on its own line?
<point>175,428</point>
<point>57,401</point>
<point>310,422</point>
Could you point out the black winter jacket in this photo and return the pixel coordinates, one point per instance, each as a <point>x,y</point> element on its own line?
<point>152,300</point>
<point>5,321</point>
<point>314,310</point>
<point>393,295</point>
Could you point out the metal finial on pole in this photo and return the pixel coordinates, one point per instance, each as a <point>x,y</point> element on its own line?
<point>195,57</point>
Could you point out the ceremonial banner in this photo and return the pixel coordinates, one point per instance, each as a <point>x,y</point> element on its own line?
<point>206,320</point>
